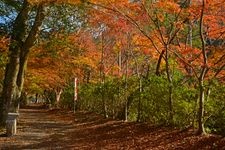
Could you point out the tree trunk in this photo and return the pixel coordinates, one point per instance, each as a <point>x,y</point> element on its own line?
<point>19,50</point>
<point>126,77</point>
<point>119,62</point>
<point>20,80</point>
<point>157,72</point>
<point>189,40</point>
<point>102,78</point>
<point>58,93</point>
<point>9,94</point>
<point>9,87</point>
<point>171,103</point>
<point>140,86</point>
<point>126,93</point>
<point>139,100</point>
<point>201,129</point>
<point>169,78</point>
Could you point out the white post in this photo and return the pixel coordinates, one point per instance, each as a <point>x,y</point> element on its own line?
<point>11,124</point>
<point>75,94</point>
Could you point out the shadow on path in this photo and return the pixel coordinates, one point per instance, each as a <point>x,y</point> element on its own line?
<point>39,128</point>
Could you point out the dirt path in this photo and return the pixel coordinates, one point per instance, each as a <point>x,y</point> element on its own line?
<point>39,128</point>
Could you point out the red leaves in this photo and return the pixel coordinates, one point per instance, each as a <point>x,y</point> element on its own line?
<point>149,25</point>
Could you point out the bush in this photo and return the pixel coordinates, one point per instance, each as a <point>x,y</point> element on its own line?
<point>215,109</point>
<point>67,98</point>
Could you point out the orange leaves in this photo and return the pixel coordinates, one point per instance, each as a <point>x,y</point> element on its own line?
<point>150,26</point>
<point>86,60</point>
<point>161,17</point>
<point>55,62</point>
<point>109,1</point>
<point>163,22</point>
<point>141,44</point>
<point>102,2</point>
<point>179,25</point>
<point>87,54</point>
<point>169,6</point>
<point>4,44</point>
<point>35,2</point>
<point>214,22</point>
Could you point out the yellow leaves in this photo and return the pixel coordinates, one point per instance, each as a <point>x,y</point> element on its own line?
<point>179,25</point>
<point>117,47</point>
<point>43,78</point>
<point>4,44</point>
<point>161,17</point>
<point>89,61</point>
<point>141,44</point>
<point>168,6</point>
<point>116,68</point>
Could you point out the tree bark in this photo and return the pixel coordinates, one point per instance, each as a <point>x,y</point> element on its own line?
<point>201,129</point>
<point>102,78</point>
<point>58,93</point>
<point>126,91</point>
<point>10,88</point>
<point>18,54</point>
<point>157,72</point>
<point>126,76</point>
<point>25,50</point>
<point>139,100</point>
<point>170,81</point>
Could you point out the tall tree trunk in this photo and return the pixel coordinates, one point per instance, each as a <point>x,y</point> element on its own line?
<point>139,100</point>
<point>9,94</point>
<point>20,80</point>
<point>9,86</point>
<point>126,77</point>
<point>119,62</point>
<point>58,93</point>
<point>102,78</point>
<point>25,49</point>
<point>189,40</point>
<point>140,86</point>
<point>19,49</point>
<point>126,92</point>
<point>201,129</point>
<point>157,72</point>
<point>170,80</point>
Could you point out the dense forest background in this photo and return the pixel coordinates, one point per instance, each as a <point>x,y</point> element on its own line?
<point>155,61</point>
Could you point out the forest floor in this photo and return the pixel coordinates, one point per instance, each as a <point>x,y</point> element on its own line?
<point>39,128</point>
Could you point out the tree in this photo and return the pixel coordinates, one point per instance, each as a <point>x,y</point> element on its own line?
<point>54,63</point>
<point>163,23</point>
<point>204,61</point>
<point>19,47</point>
<point>24,33</point>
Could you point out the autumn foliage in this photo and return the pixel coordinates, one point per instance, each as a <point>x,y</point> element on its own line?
<point>156,61</point>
